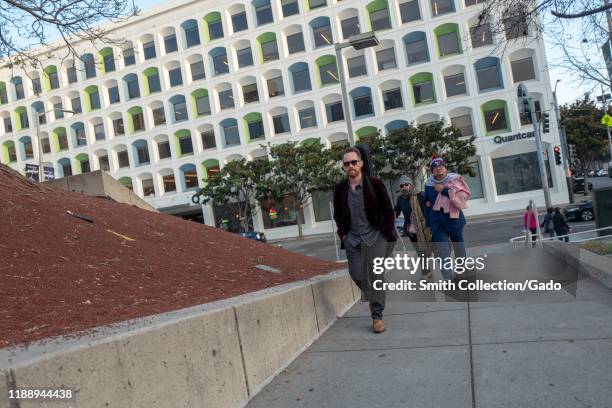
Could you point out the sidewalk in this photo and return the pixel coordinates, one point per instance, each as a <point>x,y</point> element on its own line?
<point>548,351</point>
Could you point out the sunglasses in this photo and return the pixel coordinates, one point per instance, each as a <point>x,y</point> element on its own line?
<point>405,185</point>
<point>350,163</point>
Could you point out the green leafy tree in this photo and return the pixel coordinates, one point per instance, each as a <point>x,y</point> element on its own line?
<point>298,170</point>
<point>583,127</point>
<point>235,187</point>
<point>409,150</point>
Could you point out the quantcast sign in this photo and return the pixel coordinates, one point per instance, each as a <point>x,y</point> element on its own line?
<point>513,138</point>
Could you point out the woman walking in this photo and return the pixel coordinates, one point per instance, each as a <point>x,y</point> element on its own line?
<point>531,223</point>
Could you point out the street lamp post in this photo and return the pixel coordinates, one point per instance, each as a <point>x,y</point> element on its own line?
<point>41,170</point>
<point>564,149</point>
<point>358,42</point>
<point>527,106</point>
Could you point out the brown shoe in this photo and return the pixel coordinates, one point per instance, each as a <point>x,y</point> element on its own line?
<point>378,326</point>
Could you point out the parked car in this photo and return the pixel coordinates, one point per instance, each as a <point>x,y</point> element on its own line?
<point>580,212</point>
<point>257,236</point>
<point>399,224</point>
<point>601,173</point>
<point>578,183</point>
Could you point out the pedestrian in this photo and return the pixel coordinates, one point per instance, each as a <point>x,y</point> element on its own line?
<point>547,223</point>
<point>366,226</point>
<point>561,226</point>
<point>411,204</point>
<point>531,223</point>
<point>446,195</point>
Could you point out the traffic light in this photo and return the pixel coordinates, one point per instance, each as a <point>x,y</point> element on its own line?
<point>546,124</point>
<point>523,100</point>
<point>557,150</point>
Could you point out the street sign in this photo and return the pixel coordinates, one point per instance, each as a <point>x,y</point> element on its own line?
<point>31,172</point>
<point>606,120</point>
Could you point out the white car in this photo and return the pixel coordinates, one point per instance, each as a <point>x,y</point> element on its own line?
<point>601,173</point>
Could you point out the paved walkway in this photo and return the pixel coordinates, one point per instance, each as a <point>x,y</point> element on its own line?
<point>552,350</point>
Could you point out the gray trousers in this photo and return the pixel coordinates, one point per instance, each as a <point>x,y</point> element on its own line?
<point>360,262</point>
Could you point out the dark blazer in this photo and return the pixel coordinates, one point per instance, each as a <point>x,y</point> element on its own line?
<point>379,209</point>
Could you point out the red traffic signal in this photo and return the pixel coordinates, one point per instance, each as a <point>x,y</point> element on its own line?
<point>557,151</point>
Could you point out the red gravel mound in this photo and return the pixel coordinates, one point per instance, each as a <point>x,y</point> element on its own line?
<point>60,274</point>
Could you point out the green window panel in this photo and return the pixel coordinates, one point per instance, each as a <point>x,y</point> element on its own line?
<point>81,160</point>
<point>265,38</point>
<point>92,102</point>
<point>365,132</point>
<point>106,60</point>
<point>422,78</point>
<point>179,135</point>
<point>134,112</point>
<point>378,15</point>
<point>250,120</point>
<point>47,73</point>
<point>195,95</point>
<point>8,150</point>
<point>147,74</point>
<point>448,40</point>
<point>19,114</point>
<point>213,25</point>
<point>323,61</point>
<point>55,142</point>
<point>210,167</point>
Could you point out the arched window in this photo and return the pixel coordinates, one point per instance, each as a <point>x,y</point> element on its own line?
<point>184,142</point>
<point>268,48</point>
<point>423,90</point>
<point>90,65</point>
<point>300,77</point>
<point>189,176</point>
<point>219,60</point>
<point>178,109</point>
<point>416,47</point>
<point>321,31</point>
<point>213,26</point>
<point>378,12</point>
<point>132,86</point>
<point>191,33</point>
<point>362,102</point>
<point>488,74</point>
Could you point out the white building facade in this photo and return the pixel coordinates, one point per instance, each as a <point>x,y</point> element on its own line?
<point>198,84</point>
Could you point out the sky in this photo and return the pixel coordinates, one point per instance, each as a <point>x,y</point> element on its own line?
<point>568,89</point>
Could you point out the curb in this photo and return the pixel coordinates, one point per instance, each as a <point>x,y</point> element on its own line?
<point>219,354</point>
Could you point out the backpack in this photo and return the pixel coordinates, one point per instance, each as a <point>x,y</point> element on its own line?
<point>366,158</point>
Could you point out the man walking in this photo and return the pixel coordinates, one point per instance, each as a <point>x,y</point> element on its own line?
<point>446,194</point>
<point>365,219</point>
<point>561,226</point>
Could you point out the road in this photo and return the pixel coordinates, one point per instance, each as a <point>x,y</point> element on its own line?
<point>478,232</point>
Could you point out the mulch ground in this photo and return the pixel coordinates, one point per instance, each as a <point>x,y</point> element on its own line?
<point>60,275</point>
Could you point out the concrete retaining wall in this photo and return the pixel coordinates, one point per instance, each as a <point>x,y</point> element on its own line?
<point>213,355</point>
<point>101,184</point>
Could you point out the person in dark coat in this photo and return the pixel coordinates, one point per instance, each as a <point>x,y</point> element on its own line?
<point>560,224</point>
<point>366,226</point>
<point>547,223</point>
<point>415,226</point>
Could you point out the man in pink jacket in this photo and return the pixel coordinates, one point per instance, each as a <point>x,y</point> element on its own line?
<point>446,195</point>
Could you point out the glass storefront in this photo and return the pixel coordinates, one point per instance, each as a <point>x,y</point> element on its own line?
<point>320,205</point>
<point>475,183</point>
<point>518,173</point>
<point>277,214</point>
